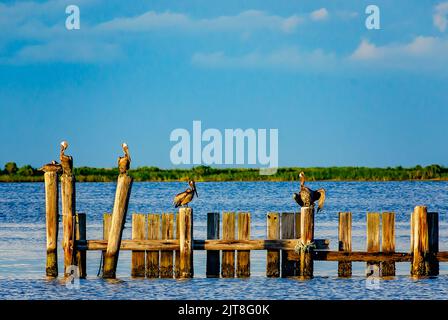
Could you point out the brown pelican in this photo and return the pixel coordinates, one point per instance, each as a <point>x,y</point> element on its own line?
<point>184,198</point>
<point>124,162</point>
<point>53,166</point>
<point>306,197</point>
<point>66,161</point>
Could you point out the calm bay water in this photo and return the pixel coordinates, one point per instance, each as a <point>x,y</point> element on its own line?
<point>22,240</point>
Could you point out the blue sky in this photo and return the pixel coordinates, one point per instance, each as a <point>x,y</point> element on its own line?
<point>338,93</point>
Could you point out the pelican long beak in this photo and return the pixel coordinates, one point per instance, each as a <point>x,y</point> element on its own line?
<point>196,191</point>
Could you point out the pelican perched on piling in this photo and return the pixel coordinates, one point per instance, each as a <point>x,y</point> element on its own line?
<point>306,197</point>
<point>184,198</point>
<point>124,162</point>
<point>53,166</point>
<point>66,161</point>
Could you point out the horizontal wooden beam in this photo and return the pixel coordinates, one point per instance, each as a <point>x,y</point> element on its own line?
<point>323,255</point>
<point>136,245</point>
<point>442,256</point>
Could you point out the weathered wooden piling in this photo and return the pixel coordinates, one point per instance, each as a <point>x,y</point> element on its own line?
<point>138,233</point>
<point>166,256</point>
<point>177,252</point>
<point>152,256</point>
<point>345,242</point>
<point>273,256</point>
<point>388,242</point>
<point>107,221</point>
<point>433,225</point>
<point>424,242</point>
<point>287,229</point>
<point>307,239</point>
<point>121,202</point>
<point>68,214</point>
<point>373,239</point>
<point>186,242</point>
<point>297,235</point>
<point>212,269</point>
<point>81,235</point>
<point>243,256</point>
<point>228,256</point>
<point>52,222</point>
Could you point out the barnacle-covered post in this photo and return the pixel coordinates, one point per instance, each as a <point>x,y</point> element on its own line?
<point>68,194</point>
<point>51,171</point>
<point>122,195</point>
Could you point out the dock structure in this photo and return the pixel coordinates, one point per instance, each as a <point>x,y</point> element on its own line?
<point>163,244</point>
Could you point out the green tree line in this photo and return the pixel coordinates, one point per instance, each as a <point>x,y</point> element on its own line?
<point>12,173</point>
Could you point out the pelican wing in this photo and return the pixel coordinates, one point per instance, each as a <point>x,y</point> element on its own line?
<point>180,198</point>
<point>320,195</point>
<point>298,199</point>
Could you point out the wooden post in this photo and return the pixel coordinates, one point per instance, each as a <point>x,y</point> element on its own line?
<point>228,256</point>
<point>152,257</point>
<point>307,238</point>
<point>297,235</point>
<point>212,255</point>
<point>433,225</point>
<point>388,242</point>
<point>81,236</point>
<point>420,245</point>
<point>122,195</point>
<point>68,214</point>
<point>138,233</point>
<point>287,225</point>
<point>107,221</point>
<point>345,242</point>
<point>273,256</point>
<point>373,239</point>
<point>52,222</point>
<point>166,256</point>
<point>177,252</point>
<point>186,242</point>
<point>243,256</point>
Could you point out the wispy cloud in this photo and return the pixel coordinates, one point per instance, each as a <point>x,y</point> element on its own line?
<point>440,17</point>
<point>318,15</point>
<point>250,20</point>
<point>287,59</point>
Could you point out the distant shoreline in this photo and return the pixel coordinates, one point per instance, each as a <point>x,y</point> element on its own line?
<point>12,173</point>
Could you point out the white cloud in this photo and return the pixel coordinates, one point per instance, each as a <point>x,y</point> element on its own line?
<point>287,59</point>
<point>250,20</point>
<point>440,17</point>
<point>318,15</point>
<point>422,53</point>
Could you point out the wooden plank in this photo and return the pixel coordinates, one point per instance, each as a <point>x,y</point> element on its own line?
<point>243,256</point>
<point>107,220</point>
<point>185,242</point>
<point>51,222</point>
<point>166,256</point>
<point>388,242</point>
<point>420,264</point>
<point>68,214</point>
<point>345,242</point>
<point>307,238</point>
<point>173,244</point>
<point>297,235</point>
<point>228,256</point>
<point>212,269</point>
<point>373,239</point>
<point>433,226</point>
<point>122,194</point>
<point>152,256</point>
<point>177,252</point>
<point>287,232</point>
<point>358,256</point>
<point>273,256</point>
<point>81,234</point>
<point>138,256</point>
